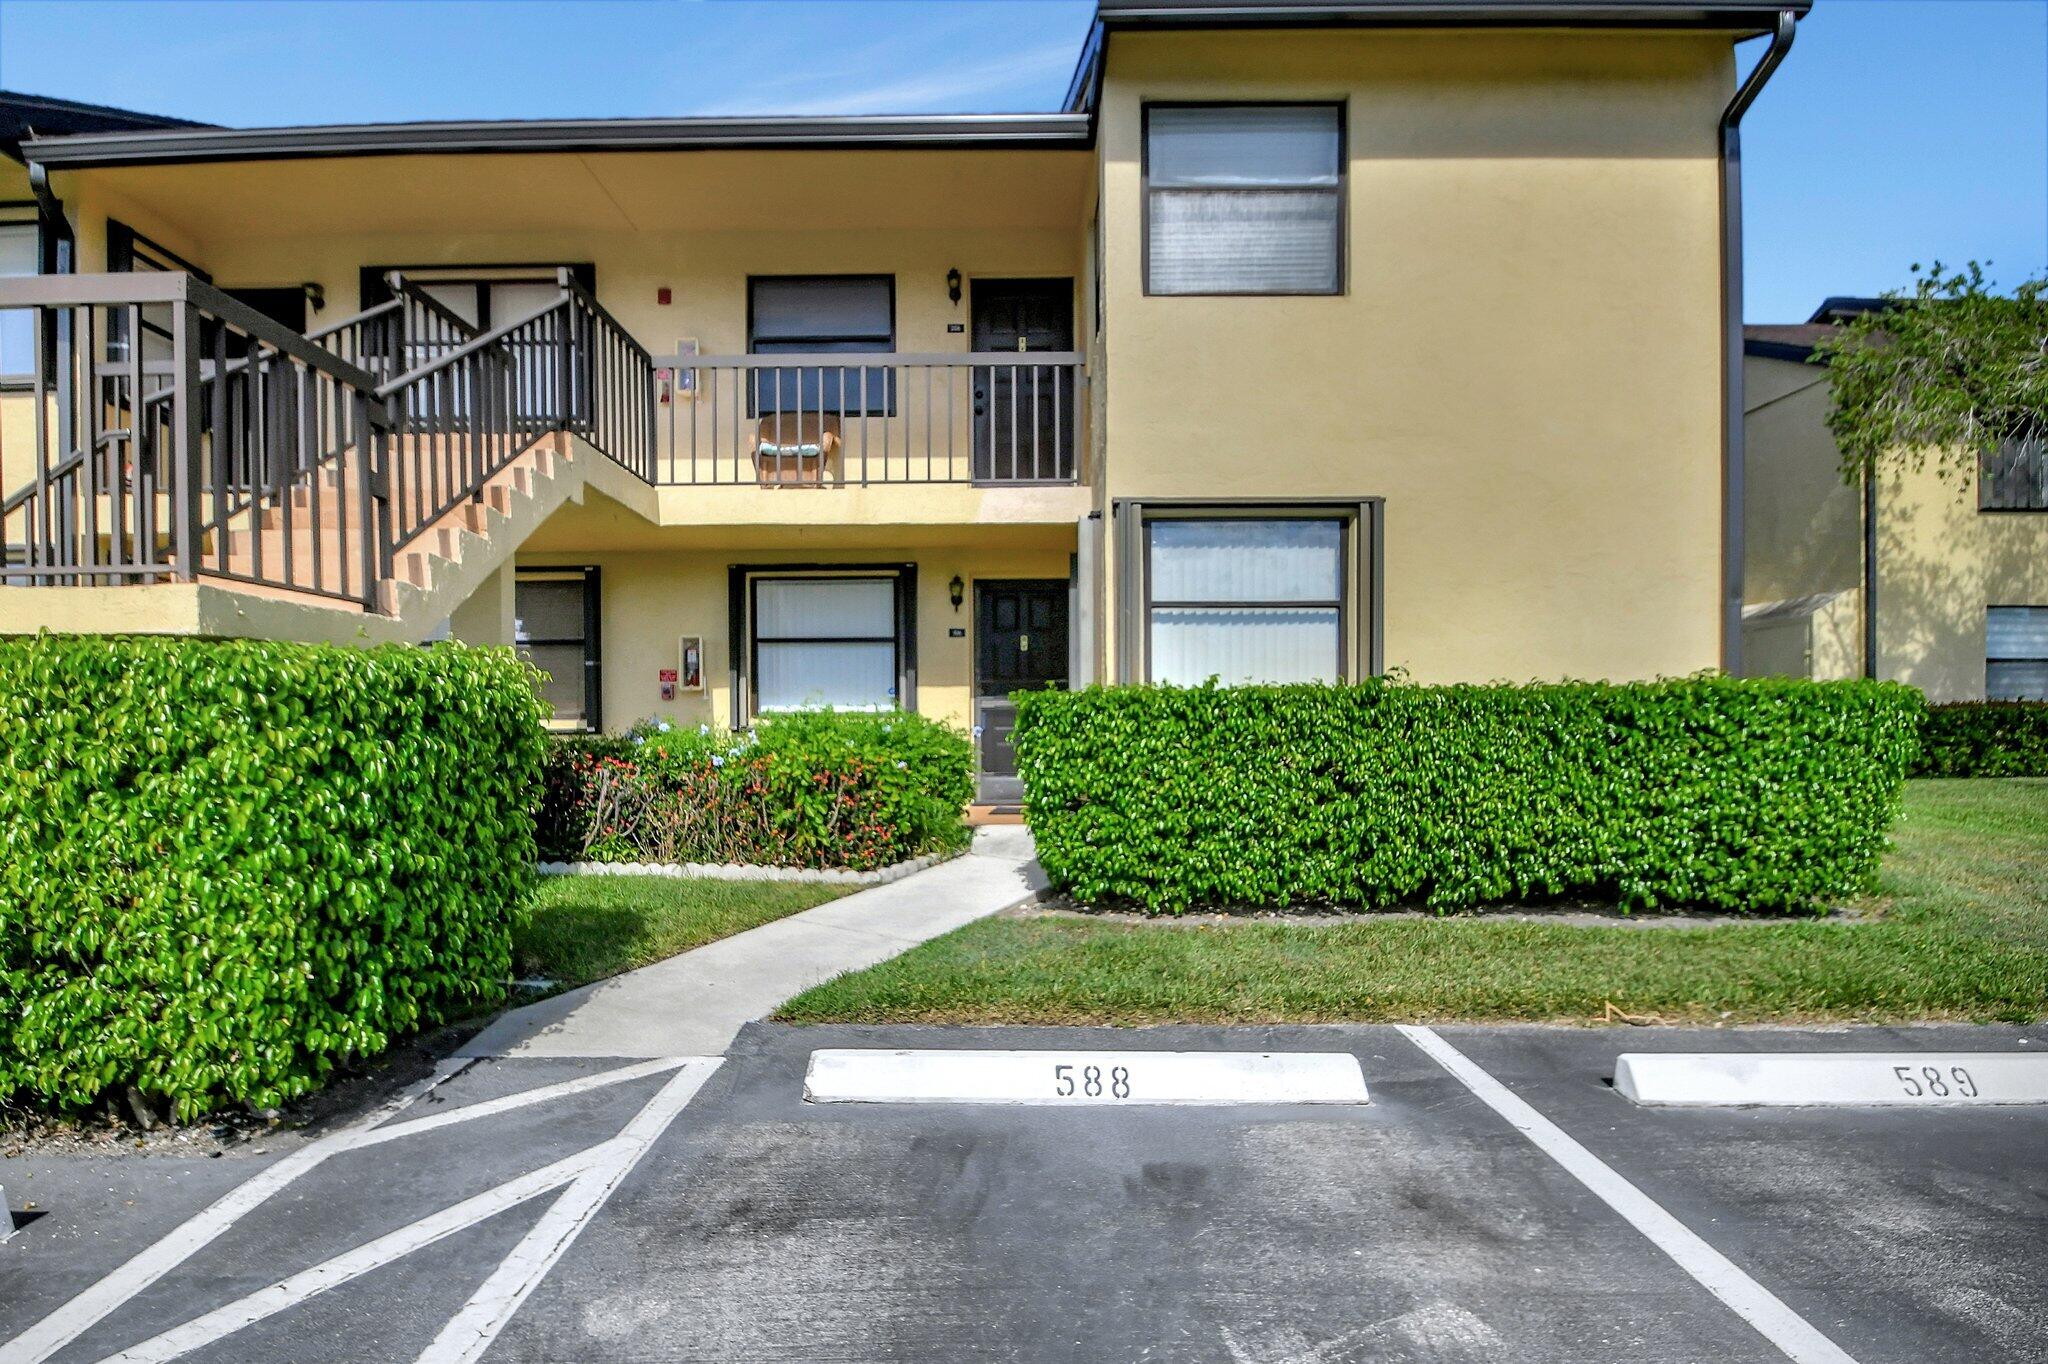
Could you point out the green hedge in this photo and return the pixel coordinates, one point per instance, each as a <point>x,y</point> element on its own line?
<point>854,790</point>
<point>227,866</point>
<point>1709,793</point>
<point>1985,739</point>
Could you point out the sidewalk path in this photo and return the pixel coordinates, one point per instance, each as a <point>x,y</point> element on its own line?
<point>694,1003</point>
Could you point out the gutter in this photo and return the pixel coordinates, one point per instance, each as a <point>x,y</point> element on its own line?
<point>1733,540</point>
<point>1049,131</point>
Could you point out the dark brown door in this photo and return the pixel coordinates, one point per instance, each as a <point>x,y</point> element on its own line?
<point>1023,413</point>
<point>1020,644</point>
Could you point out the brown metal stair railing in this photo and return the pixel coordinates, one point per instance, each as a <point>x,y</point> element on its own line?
<point>324,465</point>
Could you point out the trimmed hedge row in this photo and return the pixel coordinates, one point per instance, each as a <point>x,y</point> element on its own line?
<point>1984,739</point>
<point>823,789</point>
<point>227,866</point>
<point>1706,792</point>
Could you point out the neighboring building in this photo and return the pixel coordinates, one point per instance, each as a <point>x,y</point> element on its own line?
<point>1957,567</point>
<point>1312,340</point>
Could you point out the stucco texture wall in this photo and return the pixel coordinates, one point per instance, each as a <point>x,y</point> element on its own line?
<point>1525,362</point>
<point>1940,563</point>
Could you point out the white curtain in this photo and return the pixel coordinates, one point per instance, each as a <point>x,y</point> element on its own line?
<point>825,642</point>
<point>1246,601</point>
<point>1244,644</point>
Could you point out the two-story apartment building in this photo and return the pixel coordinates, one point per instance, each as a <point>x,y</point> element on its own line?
<point>1309,341</point>
<point>1927,574</point>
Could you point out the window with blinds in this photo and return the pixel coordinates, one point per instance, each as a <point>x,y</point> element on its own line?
<point>825,642</point>
<point>2016,653</point>
<point>823,314</point>
<point>1244,199</point>
<point>1245,600</point>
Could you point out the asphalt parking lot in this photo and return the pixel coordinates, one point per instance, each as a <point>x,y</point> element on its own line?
<point>550,1210</point>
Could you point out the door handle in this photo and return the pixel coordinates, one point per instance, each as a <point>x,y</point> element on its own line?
<point>1023,644</point>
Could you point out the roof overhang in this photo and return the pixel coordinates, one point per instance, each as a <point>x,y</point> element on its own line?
<point>1740,18</point>
<point>1746,16</point>
<point>898,132</point>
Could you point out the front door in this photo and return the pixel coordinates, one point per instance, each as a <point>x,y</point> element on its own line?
<point>1020,643</point>
<point>1023,413</point>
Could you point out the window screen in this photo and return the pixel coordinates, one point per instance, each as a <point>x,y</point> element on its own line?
<point>823,314</point>
<point>1245,600</point>
<point>1244,199</point>
<point>2016,653</point>
<point>556,629</point>
<point>19,248</point>
<point>825,642</point>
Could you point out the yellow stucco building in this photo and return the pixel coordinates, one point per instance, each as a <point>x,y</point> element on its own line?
<point>1307,341</point>
<point>1932,578</point>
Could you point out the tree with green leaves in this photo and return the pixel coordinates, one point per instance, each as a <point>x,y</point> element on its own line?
<point>1950,372</point>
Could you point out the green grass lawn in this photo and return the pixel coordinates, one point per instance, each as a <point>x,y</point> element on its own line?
<point>584,928</point>
<point>1957,929</point>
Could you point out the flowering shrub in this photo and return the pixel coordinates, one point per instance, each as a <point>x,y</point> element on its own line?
<point>823,789</point>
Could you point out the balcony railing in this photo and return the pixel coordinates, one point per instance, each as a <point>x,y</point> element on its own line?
<point>834,419</point>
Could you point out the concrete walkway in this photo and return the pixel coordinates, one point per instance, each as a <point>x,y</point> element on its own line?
<point>695,1003</point>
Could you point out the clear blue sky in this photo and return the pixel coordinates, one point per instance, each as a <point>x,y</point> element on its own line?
<point>1900,130</point>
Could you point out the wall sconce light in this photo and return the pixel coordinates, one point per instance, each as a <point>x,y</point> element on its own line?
<point>315,295</point>
<point>957,590</point>
<point>953,285</point>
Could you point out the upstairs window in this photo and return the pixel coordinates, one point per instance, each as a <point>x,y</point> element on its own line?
<point>1244,199</point>
<point>822,315</point>
<point>2015,476</point>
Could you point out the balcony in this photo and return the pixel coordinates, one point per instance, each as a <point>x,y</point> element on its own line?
<point>834,420</point>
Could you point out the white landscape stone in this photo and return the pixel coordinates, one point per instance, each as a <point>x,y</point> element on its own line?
<point>1801,1079</point>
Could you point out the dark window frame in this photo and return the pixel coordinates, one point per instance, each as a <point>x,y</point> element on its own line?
<point>1342,190</point>
<point>1990,658</point>
<point>885,405</point>
<point>592,640</point>
<point>744,645</point>
<point>1984,502</point>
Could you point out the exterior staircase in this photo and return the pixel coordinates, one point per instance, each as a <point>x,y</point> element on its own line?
<point>381,467</point>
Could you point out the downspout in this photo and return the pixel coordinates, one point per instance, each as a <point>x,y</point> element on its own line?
<point>1732,538</point>
<point>56,254</point>
<point>50,209</point>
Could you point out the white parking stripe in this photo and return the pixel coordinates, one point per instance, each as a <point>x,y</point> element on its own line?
<point>1750,1300</point>
<point>290,1292</point>
<point>492,1107</point>
<point>77,1316</point>
<point>470,1332</point>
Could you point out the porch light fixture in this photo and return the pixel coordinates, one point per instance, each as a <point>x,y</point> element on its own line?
<point>957,590</point>
<point>953,292</point>
<point>315,295</point>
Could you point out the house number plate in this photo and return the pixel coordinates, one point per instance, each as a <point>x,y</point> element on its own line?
<point>1094,1078</point>
<point>1864,1079</point>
